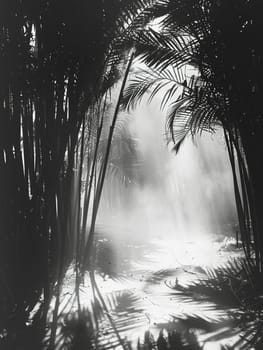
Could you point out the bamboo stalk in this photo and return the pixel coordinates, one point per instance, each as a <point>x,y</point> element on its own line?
<point>89,180</point>
<point>77,261</point>
<point>87,254</point>
<point>240,210</point>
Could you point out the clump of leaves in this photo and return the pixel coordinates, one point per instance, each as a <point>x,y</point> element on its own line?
<point>173,341</point>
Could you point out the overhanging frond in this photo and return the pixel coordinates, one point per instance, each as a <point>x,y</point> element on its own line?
<point>160,51</point>
<point>148,83</point>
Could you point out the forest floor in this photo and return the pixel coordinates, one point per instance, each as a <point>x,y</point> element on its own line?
<point>138,279</point>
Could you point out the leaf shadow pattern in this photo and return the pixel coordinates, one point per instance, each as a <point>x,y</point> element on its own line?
<point>235,288</point>
<point>91,329</point>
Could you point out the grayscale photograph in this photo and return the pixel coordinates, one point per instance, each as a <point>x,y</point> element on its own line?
<point>131,175</point>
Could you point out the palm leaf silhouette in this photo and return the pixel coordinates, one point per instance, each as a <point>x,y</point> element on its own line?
<point>174,341</point>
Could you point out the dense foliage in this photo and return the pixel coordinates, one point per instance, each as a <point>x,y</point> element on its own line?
<point>57,61</point>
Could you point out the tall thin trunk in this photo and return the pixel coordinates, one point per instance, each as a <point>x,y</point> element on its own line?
<point>89,245</point>
<point>252,142</point>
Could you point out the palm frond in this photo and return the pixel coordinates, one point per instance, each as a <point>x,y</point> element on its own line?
<point>196,111</point>
<point>159,51</point>
<point>151,82</point>
<point>135,16</point>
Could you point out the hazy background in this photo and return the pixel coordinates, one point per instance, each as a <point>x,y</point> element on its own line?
<point>185,196</point>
